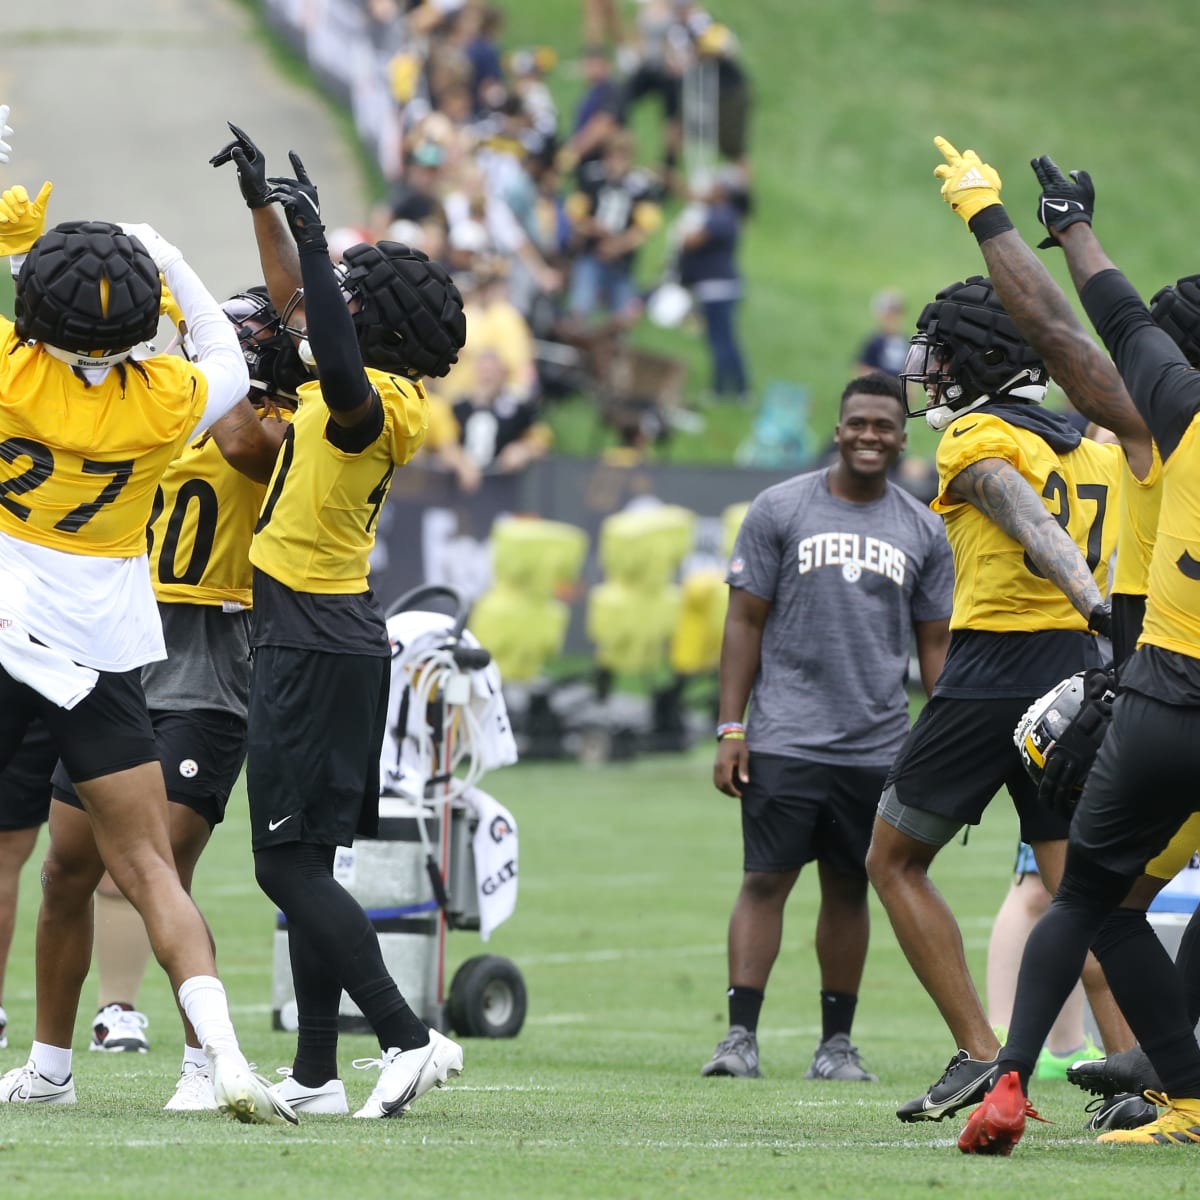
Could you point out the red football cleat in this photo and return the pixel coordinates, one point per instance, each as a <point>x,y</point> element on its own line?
<point>995,1127</point>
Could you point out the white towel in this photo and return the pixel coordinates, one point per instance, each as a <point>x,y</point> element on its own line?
<point>49,672</point>
<point>495,847</point>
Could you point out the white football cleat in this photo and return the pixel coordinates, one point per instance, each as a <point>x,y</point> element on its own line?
<point>193,1091</point>
<point>119,1028</point>
<point>328,1098</point>
<point>26,1085</point>
<point>245,1096</point>
<point>406,1075</point>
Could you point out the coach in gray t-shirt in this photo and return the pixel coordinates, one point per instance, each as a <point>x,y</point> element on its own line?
<point>832,576</point>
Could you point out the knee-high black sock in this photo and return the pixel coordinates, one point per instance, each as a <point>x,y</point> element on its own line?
<point>1149,990</point>
<point>333,946</point>
<point>1187,963</point>
<point>1054,957</point>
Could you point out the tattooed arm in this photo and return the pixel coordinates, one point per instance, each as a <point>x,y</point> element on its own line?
<point>999,491</point>
<point>279,260</point>
<point>1048,323</point>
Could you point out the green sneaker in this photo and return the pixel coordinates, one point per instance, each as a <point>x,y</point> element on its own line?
<point>1054,1066</point>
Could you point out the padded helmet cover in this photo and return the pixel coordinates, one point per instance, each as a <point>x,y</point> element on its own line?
<point>410,317</point>
<point>88,286</point>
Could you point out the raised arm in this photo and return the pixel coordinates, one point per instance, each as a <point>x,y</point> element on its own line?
<point>997,489</point>
<point>1037,305</point>
<point>276,249</point>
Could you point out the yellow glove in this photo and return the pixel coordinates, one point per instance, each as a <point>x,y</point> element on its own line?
<point>969,185</point>
<point>22,220</point>
<point>168,306</point>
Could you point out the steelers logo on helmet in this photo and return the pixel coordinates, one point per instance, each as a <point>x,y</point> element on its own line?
<point>88,292</point>
<point>1175,309</point>
<point>409,313</point>
<point>966,352</point>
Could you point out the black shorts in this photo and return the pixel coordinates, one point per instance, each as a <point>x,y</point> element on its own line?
<point>795,811</point>
<point>1142,786</point>
<point>107,731</point>
<point>316,731</point>
<point>25,782</point>
<point>201,752</point>
<point>959,754</point>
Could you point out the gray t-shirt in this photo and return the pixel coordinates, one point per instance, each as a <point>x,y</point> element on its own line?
<point>846,582</point>
<point>207,664</point>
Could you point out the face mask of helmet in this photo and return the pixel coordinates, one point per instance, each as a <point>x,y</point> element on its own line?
<point>271,356</point>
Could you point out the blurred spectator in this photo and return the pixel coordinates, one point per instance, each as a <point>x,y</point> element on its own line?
<point>597,116</point>
<point>884,350</point>
<point>708,266</point>
<point>601,22</point>
<point>658,58</point>
<point>415,196</point>
<point>499,430</point>
<point>483,53</point>
<point>442,442</point>
<point>497,328</point>
<point>718,90</point>
<point>612,215</point>
<point>528,68</point>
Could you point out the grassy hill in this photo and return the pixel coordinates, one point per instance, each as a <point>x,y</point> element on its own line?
<point>849,94</point>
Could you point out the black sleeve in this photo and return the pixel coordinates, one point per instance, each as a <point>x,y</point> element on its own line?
<point>331,334</point>
<point>1160,381</point>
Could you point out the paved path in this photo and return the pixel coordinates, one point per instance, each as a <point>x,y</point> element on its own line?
<point>121,102</point>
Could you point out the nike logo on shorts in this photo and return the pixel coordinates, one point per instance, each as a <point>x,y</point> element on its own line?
<point>274,825</point>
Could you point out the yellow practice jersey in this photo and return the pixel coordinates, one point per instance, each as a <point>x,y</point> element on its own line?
<point>200,529</point>
<point>1173,604</point>
<point>79,465</point>
<point>1137,525</point>
<point>317,524</point>
<point>996,586</point>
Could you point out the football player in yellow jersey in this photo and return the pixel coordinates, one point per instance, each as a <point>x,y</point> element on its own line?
<point>199,534</point>
<point>86,430</point>
<point>1141,787</point>
<point>319,687</point>
<point>1026,502</point>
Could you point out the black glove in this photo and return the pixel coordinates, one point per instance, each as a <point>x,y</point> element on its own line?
<point>1100,619</point>
<point>251,167</point>
<point>1070,757</point>
<point>1063,201</point>
<point>300,205</point>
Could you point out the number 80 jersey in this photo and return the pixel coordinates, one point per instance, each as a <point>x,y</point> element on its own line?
<point>200,530</point>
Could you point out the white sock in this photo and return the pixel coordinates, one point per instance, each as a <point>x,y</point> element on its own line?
<point>202,998</point>
<point>52,1062</point>
<point>195,1057</point>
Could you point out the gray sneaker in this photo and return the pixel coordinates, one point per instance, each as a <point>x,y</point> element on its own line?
<point>736,1055</point>
<point>835,1058</point>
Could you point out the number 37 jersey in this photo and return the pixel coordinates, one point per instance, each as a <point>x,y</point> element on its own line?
<point>317,525</point>
<point>996,585</point>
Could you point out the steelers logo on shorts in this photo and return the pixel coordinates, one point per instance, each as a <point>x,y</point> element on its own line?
<point>851,572</point>
<point>189,768</point>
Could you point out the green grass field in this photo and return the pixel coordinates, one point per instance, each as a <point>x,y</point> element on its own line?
<point>627,876</point>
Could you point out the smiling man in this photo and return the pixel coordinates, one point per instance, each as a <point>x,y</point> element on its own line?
<point>832,575</point>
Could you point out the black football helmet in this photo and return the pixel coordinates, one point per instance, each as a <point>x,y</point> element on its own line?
<point>1070,718</point>
<point>409,315</point>
<point>271,356</point>
<point>1176,310</point>
<point>968,351</point>
<point>88,292</point>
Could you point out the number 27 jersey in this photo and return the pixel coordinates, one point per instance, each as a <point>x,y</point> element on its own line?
<point>996,586</point>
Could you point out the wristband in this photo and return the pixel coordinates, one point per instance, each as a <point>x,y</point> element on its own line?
<point>733,729</point>
<point>989,222</point>
<point>732,735</point>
